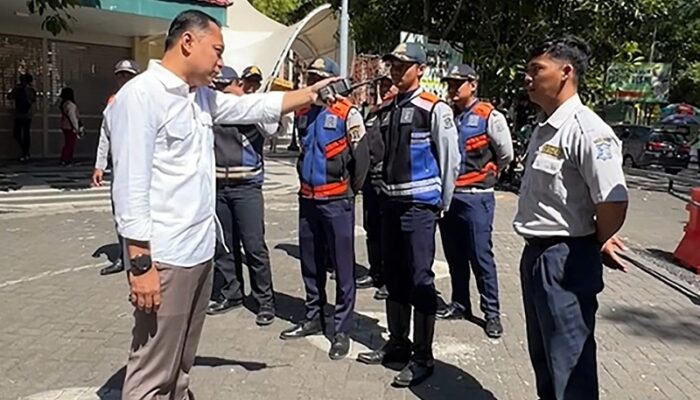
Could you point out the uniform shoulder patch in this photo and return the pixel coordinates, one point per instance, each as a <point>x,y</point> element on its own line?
<point>483,109</point>
<point>427,96</point>
<point>603,148</point>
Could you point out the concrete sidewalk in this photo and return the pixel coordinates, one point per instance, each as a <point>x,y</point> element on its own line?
<point>64,326</point>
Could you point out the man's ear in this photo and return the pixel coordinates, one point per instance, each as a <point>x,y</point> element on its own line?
<point>187,42</point>
<point>568,71</point>
<point>421,69</point>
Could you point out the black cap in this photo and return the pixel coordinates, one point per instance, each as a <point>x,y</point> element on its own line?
<point>252,71</point>
<point>408,52</point>
<point>462,72</point>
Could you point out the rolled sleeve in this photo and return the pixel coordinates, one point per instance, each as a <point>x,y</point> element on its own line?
<point>249,109</point>
<point>131,124</point>
<point>445,136</point>
<point>600,164</point>
<point>500,136</point>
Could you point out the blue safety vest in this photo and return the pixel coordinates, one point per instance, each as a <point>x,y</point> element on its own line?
<point>410,171</point>
<point>323,163</point>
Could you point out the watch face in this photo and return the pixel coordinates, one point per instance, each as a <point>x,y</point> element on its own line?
<point>142,263</point>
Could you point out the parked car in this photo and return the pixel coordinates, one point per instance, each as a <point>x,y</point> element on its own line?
<point>643,146</point>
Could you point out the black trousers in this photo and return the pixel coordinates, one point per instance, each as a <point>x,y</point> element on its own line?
<point>372,221</point>
<point>240,209</point>
<point>23,134</point>
<point>560,280</point>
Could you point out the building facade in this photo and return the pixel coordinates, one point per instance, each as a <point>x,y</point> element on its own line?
<point>104,32</point>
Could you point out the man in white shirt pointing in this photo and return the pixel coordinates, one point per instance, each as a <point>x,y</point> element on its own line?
<point>164,179</point>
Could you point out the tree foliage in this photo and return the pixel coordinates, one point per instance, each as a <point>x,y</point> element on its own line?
<point>56,14</point>
<point>496,34</point>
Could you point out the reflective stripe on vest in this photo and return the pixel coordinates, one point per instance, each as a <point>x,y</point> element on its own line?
<point>411,172</point>
<point>478,168</point>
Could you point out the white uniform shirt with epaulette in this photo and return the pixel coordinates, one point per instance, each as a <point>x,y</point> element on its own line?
<point>574,162</point>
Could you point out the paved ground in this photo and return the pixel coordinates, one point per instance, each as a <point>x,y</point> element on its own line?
<point>63,326</point>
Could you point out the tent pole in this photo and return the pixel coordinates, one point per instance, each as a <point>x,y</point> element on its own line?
<point>344,26</point>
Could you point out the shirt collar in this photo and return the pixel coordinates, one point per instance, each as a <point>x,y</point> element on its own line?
<point>562,113</point>
<point>168,78</point>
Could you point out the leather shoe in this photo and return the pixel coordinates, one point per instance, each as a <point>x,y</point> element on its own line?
<point>302,329</point>
<point>115,268</point>
<point>364,282</point>
<point>381,294</point>
<point>454,311</point>
<point>340,346</point>
<point>388,354</point>
<point>493,328</point>
<point>223,306</point>
<point>266,315</point>
<point>413,374</point>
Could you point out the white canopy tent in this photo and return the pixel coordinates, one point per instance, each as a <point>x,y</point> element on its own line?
<point>253,38</point>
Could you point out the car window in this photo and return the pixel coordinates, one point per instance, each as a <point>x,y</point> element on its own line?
<point>622,132</point>
<point>641,133</point>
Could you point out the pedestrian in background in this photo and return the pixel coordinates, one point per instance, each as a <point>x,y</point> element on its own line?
<point>24,97</point>
<point>573,199</point>
<point>71,126</point>
<point>124,71</point>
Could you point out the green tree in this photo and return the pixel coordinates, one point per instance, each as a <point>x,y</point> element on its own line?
<point>286,11</point>
<point>55,12</point>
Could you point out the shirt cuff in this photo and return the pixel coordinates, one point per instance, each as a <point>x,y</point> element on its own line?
<point>273,107</point>
<point>135,230</point>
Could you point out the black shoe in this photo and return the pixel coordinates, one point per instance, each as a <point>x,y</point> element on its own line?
<point>114,268</point>
<point>266,315</point>
<point>302,329</point>
<point>381,293</point>
<point>454,311</point>
<point>413,374</point>
<point>340,347</point>
<point>389,354</point>
<point>223,306</point>
<point>493,328</point>
<point>364,282</point>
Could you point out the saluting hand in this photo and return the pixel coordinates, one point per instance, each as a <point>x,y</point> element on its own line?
<point>610,253</point>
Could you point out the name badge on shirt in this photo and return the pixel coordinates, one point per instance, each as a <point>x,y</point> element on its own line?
<point>303,121</point>
<point>331,122</point>
<point>407,116</point>
<point>547,164</point>
<point>473,121</point>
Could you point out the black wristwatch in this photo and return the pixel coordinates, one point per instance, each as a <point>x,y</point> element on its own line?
<point>140,264</point>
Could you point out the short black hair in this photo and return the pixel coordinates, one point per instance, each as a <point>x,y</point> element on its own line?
<point>571,49</point>
<point>185,21</point>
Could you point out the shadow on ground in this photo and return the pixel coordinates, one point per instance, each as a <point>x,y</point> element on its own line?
<point>646,322</point>
<point>451,383</point>
<point>673,284</point>
<point>116,381</point>
<point>112,251</point>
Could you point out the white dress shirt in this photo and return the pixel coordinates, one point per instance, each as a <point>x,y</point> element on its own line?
<point>162,145</point>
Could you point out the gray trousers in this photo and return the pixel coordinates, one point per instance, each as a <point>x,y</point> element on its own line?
<point>164,344</point>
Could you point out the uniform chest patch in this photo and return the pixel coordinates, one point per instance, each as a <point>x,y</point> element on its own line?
<point>407,115</point>
<point>331,122</point>
<point>473,121</point>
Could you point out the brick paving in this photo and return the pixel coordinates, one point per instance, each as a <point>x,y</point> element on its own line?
<point>65,330</point>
